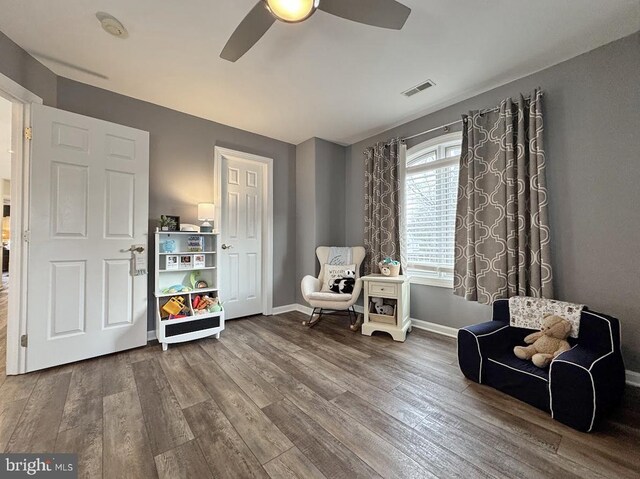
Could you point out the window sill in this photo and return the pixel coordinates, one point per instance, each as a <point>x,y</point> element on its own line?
<point>418,277</point>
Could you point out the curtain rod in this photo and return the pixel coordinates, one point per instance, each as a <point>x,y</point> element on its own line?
<point>446,126</point>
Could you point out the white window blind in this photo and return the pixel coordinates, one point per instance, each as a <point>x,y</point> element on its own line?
<point>431,195</point>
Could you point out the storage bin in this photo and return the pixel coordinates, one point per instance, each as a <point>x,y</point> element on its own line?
<point>381,318</point>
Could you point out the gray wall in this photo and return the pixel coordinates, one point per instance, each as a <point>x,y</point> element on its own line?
<point>22,68</point>
<point>592,128</point>
<point>330,193</point>
<point>181,165</point>
<point>305,212</point>
<point>320,211</point>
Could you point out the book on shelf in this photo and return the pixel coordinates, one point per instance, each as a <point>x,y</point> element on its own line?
<point>195,243</point>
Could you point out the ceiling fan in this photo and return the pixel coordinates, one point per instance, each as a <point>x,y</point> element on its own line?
<point>379,13</point>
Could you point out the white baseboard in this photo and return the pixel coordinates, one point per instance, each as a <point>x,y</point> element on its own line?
<point>435,328</point>
<point>633,378</point>
<point>287,308</point>
<point>301,308</point>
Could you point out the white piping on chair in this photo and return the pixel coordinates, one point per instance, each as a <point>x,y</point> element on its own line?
<point>517,370</point>
<point>476,336</point>
<point>593,385</point>
<point>593,388</point>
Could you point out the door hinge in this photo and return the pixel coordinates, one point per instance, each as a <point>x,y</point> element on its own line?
<point>26,236</point>
<point>28,133</point>
<point>24,340</point>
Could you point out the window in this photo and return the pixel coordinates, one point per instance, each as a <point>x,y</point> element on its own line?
<point>431,190</point>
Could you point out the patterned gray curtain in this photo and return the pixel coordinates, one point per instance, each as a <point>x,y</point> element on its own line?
<point>502,245</point>
<point>384,214</point>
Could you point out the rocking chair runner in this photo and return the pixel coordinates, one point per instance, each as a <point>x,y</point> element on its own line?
<point>324,302</point>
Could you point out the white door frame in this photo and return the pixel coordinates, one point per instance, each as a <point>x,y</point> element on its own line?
<point>19,254</point>
<point>267,214</point>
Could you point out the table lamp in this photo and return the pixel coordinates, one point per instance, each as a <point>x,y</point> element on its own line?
<point>206,213</point>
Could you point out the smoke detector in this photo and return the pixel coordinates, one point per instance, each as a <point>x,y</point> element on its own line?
<point>112,25</point>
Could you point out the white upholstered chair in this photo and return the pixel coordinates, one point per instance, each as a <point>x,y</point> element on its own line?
<point>327,301</point>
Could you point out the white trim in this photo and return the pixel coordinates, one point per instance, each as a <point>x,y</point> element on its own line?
<point>17,92</point>
<point>438,144</point>
<point>633,378</point>
<point>452,137</point>
<point>435,328</point>
<point>267,215</point>
<point>21,98</point>
<point>284,309</point>
<point>151,335</point>
<point>518,370</point>
<point>427,280</point>
<point>304,309</point>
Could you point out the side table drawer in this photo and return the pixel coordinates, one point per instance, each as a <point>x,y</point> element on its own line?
<point>381,289</point>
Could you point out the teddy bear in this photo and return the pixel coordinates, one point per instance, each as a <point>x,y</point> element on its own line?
<point>547,343</point>
<point>381,308</point>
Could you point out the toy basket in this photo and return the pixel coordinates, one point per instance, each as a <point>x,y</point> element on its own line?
<point>381,318</point>
<point>395,269</point>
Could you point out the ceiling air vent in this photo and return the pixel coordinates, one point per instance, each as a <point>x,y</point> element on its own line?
<point>418,88</point>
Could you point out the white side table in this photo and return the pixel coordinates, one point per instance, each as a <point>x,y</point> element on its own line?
<point>380,286</point>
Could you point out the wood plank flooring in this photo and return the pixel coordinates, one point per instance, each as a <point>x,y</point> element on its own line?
<point>274,399</point>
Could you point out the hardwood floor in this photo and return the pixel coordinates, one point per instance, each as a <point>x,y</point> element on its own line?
<point>274,399</point>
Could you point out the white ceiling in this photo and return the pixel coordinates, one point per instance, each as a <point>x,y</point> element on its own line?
<point>326,77</point>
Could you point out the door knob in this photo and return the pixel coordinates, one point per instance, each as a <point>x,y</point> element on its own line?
<point>133,249</point>
<point>227,246</point>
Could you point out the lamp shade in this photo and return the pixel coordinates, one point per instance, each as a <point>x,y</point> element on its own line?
<point>206,211</point>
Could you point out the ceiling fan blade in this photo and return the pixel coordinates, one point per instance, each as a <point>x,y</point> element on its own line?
<point>379,13</point>
<point>250,30</point>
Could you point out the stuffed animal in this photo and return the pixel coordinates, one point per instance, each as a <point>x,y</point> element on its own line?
<point>547,343</point>
<point>382,308</point>
<point>342,285</point>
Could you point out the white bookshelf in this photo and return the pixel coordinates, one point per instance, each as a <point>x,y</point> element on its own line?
<point>195,325</point>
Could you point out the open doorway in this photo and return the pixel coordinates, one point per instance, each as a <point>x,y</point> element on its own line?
<point>6,152</point>
<point>6,109</point>
<point>15,118</point>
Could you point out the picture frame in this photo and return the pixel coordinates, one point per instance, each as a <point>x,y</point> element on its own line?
<point>172,262</point>
<point>199,261</point>
<point>169,223</point>
<point>186,261</point>
<point>176,223</point>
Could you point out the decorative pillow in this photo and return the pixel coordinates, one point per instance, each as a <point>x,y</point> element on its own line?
<point>333,272</point>
<point>526,312</point>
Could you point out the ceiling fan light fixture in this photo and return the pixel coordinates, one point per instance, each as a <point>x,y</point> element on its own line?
<point>292,11</point>
<point>112,25</point>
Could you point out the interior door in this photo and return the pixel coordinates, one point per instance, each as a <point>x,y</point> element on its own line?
<point>241,232</point>
<point>89,183</point>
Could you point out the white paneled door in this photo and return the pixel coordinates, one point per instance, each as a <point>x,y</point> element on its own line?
<point>88,206</point>
<point>242,206</point>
